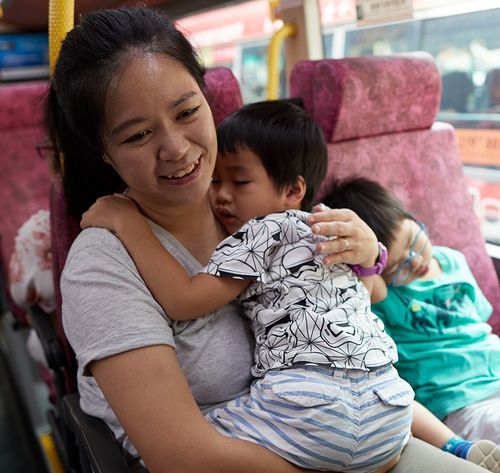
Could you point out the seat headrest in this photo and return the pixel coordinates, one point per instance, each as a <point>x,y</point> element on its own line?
<point>22,104</point>
<point>223,92</point>
<point>369,96</point>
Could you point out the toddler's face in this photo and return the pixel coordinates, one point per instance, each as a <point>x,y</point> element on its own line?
<point>409,255</point>
<point>241,189</point>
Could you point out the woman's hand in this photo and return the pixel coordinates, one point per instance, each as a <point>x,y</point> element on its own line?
<point>355,242</point>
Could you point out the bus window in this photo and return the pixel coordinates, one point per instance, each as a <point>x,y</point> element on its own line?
<point>253,78</point>
<point>382,40</point>
<point>467,51</point>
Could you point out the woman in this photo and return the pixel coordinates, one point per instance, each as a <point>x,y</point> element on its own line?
<point>127,110</point>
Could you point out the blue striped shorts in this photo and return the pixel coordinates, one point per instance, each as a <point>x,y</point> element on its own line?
<point>323,418</point>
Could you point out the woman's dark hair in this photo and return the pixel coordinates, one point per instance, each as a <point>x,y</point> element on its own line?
<point>381,210</point>
<point>92,54</point>
<point>285,138</point>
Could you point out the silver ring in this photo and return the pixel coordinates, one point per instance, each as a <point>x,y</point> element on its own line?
<point>346,241</point>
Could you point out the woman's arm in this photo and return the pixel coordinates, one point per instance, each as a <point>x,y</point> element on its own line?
<point>182,297</point>
<point>152,400</point>
<point>345,224</point>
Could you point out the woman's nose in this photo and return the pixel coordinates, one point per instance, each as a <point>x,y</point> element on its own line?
<point>173,146</point>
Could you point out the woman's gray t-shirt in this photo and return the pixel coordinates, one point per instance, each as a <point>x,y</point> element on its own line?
<point>107,309</point>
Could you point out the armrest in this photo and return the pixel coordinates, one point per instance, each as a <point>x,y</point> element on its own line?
<point>42,323</point>
<point>94,439</point>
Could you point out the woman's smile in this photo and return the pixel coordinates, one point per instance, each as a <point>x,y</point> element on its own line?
<point>182,176</point>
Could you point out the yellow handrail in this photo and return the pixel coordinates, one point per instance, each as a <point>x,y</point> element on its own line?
<point>273,56</point>
<point>61,20</point>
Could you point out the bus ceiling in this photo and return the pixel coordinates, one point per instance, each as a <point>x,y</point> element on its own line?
<point>33,14</point>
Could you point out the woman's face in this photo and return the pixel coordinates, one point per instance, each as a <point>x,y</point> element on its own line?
<point>159,133</point>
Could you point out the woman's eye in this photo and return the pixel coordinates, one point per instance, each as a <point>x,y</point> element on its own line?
<point>215,182</point>
<point>137,137</point>
<point>241,183</point>
<point>188,113</point>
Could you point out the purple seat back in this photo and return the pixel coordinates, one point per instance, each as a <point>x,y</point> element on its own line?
<point>377,114</point>
<point>223,92</point>
<point>25,177</point>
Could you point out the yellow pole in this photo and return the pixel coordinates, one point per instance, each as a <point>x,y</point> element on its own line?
<point>61,20</point>
<point>274,5</point>
<point>273,59</point>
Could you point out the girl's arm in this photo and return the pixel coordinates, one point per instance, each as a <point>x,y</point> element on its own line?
<point>152,400</point>
<point>376,287</point>
<point>182,297</point>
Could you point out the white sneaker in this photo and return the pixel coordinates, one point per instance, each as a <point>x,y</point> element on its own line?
<point>485,453</point>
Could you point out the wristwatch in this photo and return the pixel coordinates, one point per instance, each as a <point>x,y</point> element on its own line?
<point>377,268</point>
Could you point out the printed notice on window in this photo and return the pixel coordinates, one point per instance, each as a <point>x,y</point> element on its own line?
<point>371,12</point>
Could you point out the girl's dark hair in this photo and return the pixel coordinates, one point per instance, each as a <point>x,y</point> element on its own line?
<point>381,210</point>
<point>285,138</point>
<point>91,55</point>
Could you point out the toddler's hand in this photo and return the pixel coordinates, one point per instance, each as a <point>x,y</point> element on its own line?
<point>112,212</point>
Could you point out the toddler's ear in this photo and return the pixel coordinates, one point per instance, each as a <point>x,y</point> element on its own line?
<point>295,193</point>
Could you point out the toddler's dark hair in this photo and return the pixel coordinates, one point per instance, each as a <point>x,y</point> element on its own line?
<point>286,139</point>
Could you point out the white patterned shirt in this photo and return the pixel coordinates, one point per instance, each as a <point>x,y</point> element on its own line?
<point>301,311</point>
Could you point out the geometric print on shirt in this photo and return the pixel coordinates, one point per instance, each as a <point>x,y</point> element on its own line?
<point>301,311</point>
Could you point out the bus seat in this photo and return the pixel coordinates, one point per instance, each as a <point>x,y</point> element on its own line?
<point>25,177</point>
<point>377,115</point>
<point>224,96</point>
<point>223,92</point>
<point>100,452</point>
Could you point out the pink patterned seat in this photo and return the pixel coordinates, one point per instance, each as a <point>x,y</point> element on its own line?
<point>25,177</point>
<point>223,92</point>
<point>377,114</point>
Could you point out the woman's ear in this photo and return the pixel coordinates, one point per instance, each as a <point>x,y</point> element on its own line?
<point>107,160</point>
<point>295,193</point>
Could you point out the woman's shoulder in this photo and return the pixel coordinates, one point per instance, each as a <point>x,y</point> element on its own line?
<point>95,241</point>
<point>96,247</point>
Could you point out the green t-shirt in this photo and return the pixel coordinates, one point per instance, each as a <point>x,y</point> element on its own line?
<point>446,349</point>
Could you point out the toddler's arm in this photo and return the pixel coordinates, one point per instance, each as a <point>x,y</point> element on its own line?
<point>182,297</point>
